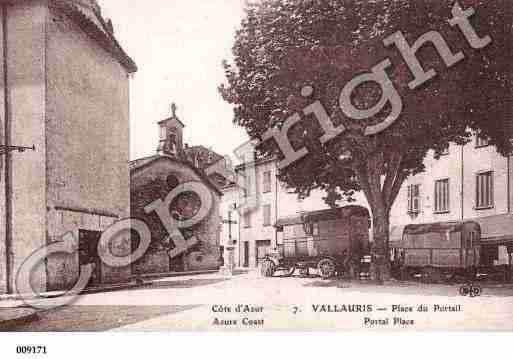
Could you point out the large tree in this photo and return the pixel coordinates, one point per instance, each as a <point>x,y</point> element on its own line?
<point>284,45</point>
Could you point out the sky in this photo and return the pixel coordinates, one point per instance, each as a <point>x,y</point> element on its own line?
<point>178,46</point>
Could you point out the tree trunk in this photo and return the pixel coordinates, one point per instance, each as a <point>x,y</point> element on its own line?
<point>380,266</point>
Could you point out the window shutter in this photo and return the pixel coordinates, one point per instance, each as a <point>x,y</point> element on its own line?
<point>409,198</point>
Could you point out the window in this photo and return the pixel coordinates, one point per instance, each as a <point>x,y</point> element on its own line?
<point>185,205</point>
<point>247,219</point>
<point>266,211</point>
<point>315,229</point>
<point>163,133</point>
<point>444,152</point>
<point>481,141</point>
<point>414,198</point>
<point>266,186</point>
<point>484,190</point>
<point>171,142</point>
<point>172,182</point>
<point>442,196</point>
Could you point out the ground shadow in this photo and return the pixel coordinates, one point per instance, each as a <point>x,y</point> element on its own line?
<point>410,287</point>
<point>94,318</point>
<point>181,283</point>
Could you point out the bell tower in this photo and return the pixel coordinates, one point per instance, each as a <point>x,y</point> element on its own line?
<point>171,135</point>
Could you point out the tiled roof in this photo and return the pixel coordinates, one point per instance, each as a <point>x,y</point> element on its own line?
<point>141,161</point>
<point>145,161</point>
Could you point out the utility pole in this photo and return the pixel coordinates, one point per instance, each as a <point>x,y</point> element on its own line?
<point>228,255</point>
<point>229,222</point>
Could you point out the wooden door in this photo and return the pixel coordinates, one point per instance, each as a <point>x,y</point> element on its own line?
<point>246,254</point>
<point>88,254</point>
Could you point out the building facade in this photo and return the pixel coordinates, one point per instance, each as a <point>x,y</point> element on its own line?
<point>469,182</point>
<point>273,201</point>
<point>152,179</point>
<point>65,90</point>
<point>202,158</point>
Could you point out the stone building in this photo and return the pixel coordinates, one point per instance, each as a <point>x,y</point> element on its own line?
<point>202,157</point>
<point>64,89</point>
<point>153,178</point>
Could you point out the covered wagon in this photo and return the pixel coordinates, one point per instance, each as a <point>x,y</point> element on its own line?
<point>326,241</point>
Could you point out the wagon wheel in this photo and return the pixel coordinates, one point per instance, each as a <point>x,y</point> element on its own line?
<point>326,268</point>
<point>268,268</point>
<point>464,290</point>
<point>433,275</point>
<point>290,271</point>
<point>304,271</point>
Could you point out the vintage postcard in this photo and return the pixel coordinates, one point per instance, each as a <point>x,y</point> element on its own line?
<point>255,166</point>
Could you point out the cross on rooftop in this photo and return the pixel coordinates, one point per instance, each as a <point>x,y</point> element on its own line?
<point>173,109</point>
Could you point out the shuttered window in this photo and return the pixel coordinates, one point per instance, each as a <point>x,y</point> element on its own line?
<point>484,190</point>
<point>442,196</point>
<point>266,185</point>
<point>266,210</point>
<point>414,198</point>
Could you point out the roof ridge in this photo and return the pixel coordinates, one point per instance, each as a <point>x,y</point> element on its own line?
<point>196,170</point>
<point>105,39</point>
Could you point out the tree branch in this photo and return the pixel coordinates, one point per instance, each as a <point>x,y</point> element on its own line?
<point>364,180</point>
<point>396,187</point>
<point>393,172</point>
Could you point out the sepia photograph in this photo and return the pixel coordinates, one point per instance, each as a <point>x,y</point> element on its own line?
<point>253,166</point>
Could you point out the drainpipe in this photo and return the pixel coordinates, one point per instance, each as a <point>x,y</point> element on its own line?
<point>508,176</point>
<point>462,185</point>
<point>7,167</point>
<point>239,239</point>
<point>276,206</point>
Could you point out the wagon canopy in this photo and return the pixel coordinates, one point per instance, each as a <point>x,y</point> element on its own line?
<point>400,233</point>
<point>396,236</point>
<point>440,227</point>
<point>288,221</point>
<point>496,229</point>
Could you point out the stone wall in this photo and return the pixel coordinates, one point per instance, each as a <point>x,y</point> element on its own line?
<point>87,132</point>
<point>63,270</point>
<point>70,99</point>
<point>206,254</point>
<point>25,35</point>
<point>152,262</point>
<point>87,125</point>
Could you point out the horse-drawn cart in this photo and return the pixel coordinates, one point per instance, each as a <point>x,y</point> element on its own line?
<point>437,251</point>
<point>329,242</point>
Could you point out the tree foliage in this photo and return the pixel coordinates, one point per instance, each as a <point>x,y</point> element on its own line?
<point>283,45</point>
